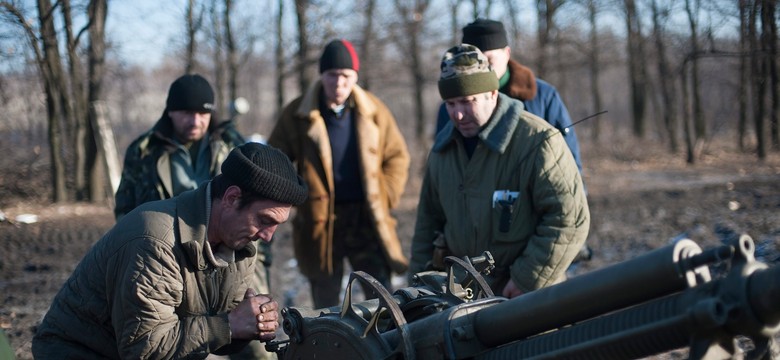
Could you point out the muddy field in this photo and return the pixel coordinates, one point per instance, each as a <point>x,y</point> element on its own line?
<point>640,199</point>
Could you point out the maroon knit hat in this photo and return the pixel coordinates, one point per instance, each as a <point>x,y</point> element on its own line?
<point>339,54</point>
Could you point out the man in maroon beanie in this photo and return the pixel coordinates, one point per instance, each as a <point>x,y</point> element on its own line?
<point>347,147</point>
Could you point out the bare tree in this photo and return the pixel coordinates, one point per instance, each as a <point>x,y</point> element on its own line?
<point>305,75</point>
<point>545,32</point>
<point>279,58</point>
<point>412,14</point>
<point>481,10</point>
<point>79,130</point>
<point>593,61</point>
<point>194,22</point>
<point>232,52</point>
<point>454,26</point>
<point>636,69</point>
<point>665,75</point>
<point>97,12</point>
<point>744,71</point>
<point>368,42</point>
<point>700,125</point>
<point>769,39</point>
<point>217,34</point>
<point>68,124</point>
<point>758,73</point>
<point>50,65</point>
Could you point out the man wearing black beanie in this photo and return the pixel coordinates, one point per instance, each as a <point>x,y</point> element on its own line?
<point>184,148</point>
<point>173,278</point>
<point>349,150</point>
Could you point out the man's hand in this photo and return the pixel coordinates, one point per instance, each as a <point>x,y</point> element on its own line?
<point>511,290</point>
<point>255,317</point>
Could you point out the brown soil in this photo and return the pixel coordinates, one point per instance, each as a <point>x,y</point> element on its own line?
<point>640,199</point>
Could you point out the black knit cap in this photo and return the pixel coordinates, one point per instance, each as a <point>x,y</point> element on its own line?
<point>485,34</point>
<point>339,54</point>
<point>266,171</point>
<point>190,92</point>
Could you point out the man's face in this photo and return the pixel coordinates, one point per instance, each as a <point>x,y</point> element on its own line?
<point>470,113</point>
<point>255,221</point>
<point>338,84</point>
<point>189,126</point>
<point>498,59</point>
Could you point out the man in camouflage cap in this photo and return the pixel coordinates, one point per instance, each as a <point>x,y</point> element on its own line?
<point>501,179</point>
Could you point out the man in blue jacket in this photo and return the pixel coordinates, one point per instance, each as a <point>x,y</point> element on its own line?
<point>517,81</point>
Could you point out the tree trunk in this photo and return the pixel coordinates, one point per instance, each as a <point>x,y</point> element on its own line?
<point>305,75</point>
<point>219,61</point>
<point>666,77</point>
<point>544,10</point>
<point>192,28</point>
<point>280,71</point>
<point>636,69</point>
<point>454,27</point>
<point>232,55</point>
<point>96,161</point>
<point>759,76</point>
<point>688,132</point>
<point>700,124</point>
<point>593,59</point>
<point>412,17</point>
<point>78,130</point>
<point>769,36</point>
<point>744,74</point>
<point>54,85</point>
<point>368,41</point>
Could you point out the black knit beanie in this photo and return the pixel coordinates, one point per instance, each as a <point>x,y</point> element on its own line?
<point>266,171</point>
<point>339,54</point>
<point>485,34</point>
<point>191,93</point>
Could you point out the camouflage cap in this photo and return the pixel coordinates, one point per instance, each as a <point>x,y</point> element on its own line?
<point>465,71</point>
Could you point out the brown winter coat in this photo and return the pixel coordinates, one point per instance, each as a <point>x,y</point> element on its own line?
<point>384,164</point>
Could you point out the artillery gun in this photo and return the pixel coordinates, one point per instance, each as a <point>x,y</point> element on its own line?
<point>713,302</point>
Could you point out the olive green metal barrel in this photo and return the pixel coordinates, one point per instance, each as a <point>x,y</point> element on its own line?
<point>660,272</point>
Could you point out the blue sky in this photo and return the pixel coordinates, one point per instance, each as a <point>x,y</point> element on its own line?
<point>143,29</point>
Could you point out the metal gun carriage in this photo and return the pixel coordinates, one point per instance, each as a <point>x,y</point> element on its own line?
<point>673,297</point>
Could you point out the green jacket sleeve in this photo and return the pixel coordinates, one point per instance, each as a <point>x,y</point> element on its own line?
<point>559,199</point>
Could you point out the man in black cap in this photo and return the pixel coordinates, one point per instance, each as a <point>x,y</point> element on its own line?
<point>183,149</point>
<point>538,97</point>
<point>172,278</point>
<point>349,150</point>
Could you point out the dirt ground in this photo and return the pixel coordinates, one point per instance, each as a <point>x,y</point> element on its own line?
<point>640,198</point>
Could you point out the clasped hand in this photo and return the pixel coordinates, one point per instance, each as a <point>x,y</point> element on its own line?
<point>255,318</point>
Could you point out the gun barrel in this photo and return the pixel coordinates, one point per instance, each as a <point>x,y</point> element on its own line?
<point>654,274</point>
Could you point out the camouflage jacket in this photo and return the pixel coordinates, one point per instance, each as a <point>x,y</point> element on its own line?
<point>146,175</point>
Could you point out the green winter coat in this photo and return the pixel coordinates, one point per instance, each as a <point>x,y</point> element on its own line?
<point>147,290</point>
<point>519,152</point>
<point>384,163</point>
